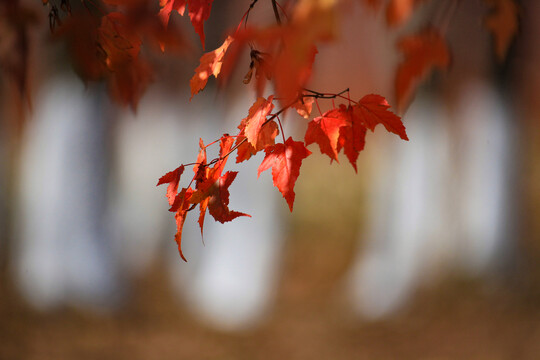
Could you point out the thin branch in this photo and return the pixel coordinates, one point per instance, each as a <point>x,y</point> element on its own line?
<point>281,127</point>
<point>276,12</point>
<point>249,10</point>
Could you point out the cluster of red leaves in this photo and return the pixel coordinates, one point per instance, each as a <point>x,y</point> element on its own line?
<point>113,46</point>
<point>284,54</point>
<point>427,50</point>
<point>210,193</point>
<point>341,128</point>
<point>111,43</point>
<point>345,127</point>
<point>198,11</point>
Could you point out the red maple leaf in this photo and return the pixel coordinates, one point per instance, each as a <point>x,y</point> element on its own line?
<point>373,110</point>
<point>304,106</point>
<point>168,6</point>
<point>199,12</point>
<point>345,127</point>
<point>285,161</point>
<point>210,64</point>
<point>424,52</point>
<point>212,190</point>
<point>219,199</point>
<point>256,118</point>
<point>352,137</point>
<point>325,131</point>
<point>181,206</point>
<point>288,50</point>
<point>266,137</point>
<point>173,179</point>
<point>129,76</point>
<point>199,168</point>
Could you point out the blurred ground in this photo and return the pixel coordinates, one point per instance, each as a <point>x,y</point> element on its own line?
<point>453,319</point>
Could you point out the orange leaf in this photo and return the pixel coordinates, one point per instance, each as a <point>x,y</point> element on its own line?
<point>503,22</point>
<point>121,46</point>
<point>324,130</point>
<point>289,50</point>
<point>266,137</point>
<point>424,52</point>
<point>167,6</point>
<point>219,200</point>
<point>256,118</point>
<point>373,110</point>
<point>199,168</point>
<point>181,206</point>
<point>210,64</point>
<point>285,161</point>
<point>304,106</point>
<point>199,12</point>
<point>352,138</point>
<point>172,178</point>
<point>212,190</point>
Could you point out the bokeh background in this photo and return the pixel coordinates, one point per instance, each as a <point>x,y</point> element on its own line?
<point>431,251</point>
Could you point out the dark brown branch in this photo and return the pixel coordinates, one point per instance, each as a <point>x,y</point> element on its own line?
<point>276,12</point>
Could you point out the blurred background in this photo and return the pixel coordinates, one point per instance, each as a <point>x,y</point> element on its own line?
<point>430,251</point>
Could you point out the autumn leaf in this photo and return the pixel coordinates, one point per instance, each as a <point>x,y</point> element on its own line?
<point>212,190</point>
<point>256,118</point>
<point>180,218</point>
<point>345,127</point>
<point>352,137</point>
<point>289,49</point>
<point>423,52</point>
<point>304,106</point>
<point>168,6</point>
<point>199,168</point>
<point>172,178</point>
<point>120,44</point>
<point>129,75</point>
<point>285,161</point>
<point>214,195</point>
<point>265,138</point>
<point>313,21</point>
<point>219,200</point>
<point>373,110</point>
<point>325,131</point>
<point>181,209</point>
<point>210,64</point>
<point>199,12</point>
<point>81,36</point>
<point>503,22</point>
